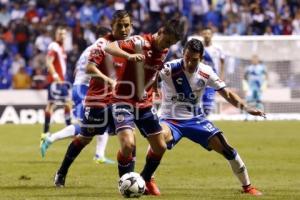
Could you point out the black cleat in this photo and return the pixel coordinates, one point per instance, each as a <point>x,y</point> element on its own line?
<point>59,180</point>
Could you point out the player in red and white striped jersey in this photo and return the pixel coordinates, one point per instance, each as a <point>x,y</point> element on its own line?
<point>132,100</point>
<point>97,116</point>
<point>58,87</point>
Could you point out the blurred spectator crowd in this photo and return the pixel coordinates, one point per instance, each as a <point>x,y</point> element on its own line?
<point>26,27</point>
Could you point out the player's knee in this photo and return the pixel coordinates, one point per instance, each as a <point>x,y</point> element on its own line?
<point>84,140</point>
<point>166,132</point>
<point>159,148</point>
<point>128,148</point>
<point>158,144</point>
<point>81,142</point>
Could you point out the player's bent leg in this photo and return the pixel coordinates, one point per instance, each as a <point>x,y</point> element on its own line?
<point>48,139</point>
<point>152,162</point>
<point>157,143</point>
<point>67,132</point>
<point>45,143</point>
<point>154,155</point>
<point>74,149</point>
<point>166,132</point>
<point>126,161</point>
<point>219,143</point>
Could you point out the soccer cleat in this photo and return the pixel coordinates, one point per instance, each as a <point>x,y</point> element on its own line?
<point>45,143</point>
<point>43,136</point>
<point>251,190</point>
<point>103,160</point>
<point>151,188</point>
<point>59,180</point>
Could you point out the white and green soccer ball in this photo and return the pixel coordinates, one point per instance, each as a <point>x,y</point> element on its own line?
<point>131,185</point>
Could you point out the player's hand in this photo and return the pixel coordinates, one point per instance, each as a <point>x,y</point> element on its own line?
<point>56,78</point>
<point>112,83</point>
<point>136,57</point>
<point>255,112</point>
<point>157,95</point>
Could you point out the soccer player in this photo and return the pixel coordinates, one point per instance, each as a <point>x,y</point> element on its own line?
<point>182,84</point>
<point>132,102</point>
<point>58,87</point>
<point>213,57</point>
<point>254,82</point>
<point>97,116</point>
<point>79,90</point>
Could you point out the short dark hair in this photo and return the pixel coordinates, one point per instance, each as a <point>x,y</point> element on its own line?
<point>194,45</point>
<point>206,28</point>
<point>60,27</point>
<point>102,31</point>
<point>119,14</point>
<point>174,27</point>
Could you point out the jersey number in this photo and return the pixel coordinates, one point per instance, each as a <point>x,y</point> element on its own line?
<point>209,127</point>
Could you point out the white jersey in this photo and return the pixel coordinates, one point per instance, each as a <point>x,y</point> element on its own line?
<point>216,54</point>
<point>173,105</point>
<point>81,77</point>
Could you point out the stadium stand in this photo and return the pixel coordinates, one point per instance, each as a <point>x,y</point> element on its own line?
<point>26,26</point>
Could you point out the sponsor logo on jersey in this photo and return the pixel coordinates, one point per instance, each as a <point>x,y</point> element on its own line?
<point>201,83</point>
<point>203,74</point>
<point>120,118</point>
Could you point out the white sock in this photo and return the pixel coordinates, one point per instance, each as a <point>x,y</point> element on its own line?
<point>66,132</point>
<point>101,145</point>
<point>240,170</point>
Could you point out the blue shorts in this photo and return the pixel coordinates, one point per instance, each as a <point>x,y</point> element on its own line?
<point>208,99</point>
<point>78,95</point>
<point>96,121</point>
<point>58,91</point>
<point>197,129</point>
<point>146,119</point>
<point>255,95</point>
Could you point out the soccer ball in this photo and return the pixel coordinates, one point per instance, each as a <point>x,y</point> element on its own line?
<point>132,185</point>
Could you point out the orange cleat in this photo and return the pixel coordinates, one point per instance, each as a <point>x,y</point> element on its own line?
<point>151,188</point>
<point>251,190</point>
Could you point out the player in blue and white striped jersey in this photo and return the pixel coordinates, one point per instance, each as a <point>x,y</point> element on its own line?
<point>215,58</point>
<point>79,91</point>
<point>182,83</point>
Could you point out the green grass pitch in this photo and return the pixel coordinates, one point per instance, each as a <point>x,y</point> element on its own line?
<point>271,151</point>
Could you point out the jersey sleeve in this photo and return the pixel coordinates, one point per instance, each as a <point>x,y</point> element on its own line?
<point>96,56</point>
<point>51,53</point>
<point>52,50</point>
<point>127,45</point>
<point>214,81</point>
<point>134,44</point>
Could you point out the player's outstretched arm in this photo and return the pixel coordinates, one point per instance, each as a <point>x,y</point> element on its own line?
<point>114,49</point>
<point>236,101</point>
